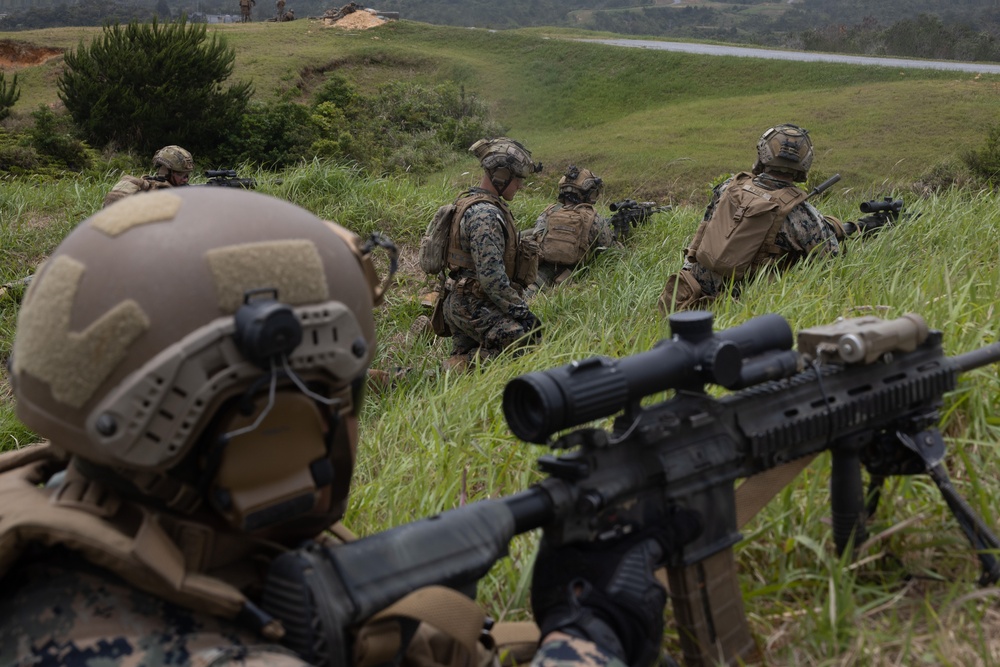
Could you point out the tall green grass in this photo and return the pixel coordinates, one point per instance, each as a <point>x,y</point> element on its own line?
<point>436,440</point>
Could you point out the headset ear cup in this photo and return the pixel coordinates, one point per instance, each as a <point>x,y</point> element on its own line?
<point>266,329</point>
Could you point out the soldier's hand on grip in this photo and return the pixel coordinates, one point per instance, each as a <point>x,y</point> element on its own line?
<point>606,592</point>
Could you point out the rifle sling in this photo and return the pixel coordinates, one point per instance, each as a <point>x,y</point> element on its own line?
<point>757,491</point>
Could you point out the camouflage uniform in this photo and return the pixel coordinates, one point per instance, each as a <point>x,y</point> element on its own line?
<point>130,185</point>
<point>601,236</point>
<point>562,650</point>
<point>805,231</point>
<point>485,309</point>
<point>59,610</point>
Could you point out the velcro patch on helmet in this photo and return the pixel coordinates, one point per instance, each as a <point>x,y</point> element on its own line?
<point>292,267</point>
<point>74,364</point>
<point>134,211</point>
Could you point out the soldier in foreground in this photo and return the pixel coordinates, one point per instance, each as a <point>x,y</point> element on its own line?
<point>198,431</point>
<point>570,231</point>
<point>488,267</point>
<point>173,166</point>
<point>755,219</point>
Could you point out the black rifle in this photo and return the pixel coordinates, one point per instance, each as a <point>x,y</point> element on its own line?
<point>227,178</point>
<point>867,390</point>
<point>628,214</point>
<point>880,214</point>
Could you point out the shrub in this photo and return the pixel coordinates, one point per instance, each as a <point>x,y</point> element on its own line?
<point>147,85</point>
<point>272,135</point>
<point>52,136</point>
<point>9,93</point>
<point>15,157</point>
<point>411,127</point>
<point>984,162</point>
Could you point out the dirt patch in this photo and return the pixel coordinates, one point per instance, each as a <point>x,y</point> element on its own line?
<point>362,20</point>
<point>15,54</point>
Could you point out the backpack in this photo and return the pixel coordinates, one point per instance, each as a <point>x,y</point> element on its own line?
<point>567,238</point>
<point>740,234</point>
<point>434,242</point>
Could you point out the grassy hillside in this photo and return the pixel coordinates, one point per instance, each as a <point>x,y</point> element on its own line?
<point>657,124</point>
<point>660,125</point>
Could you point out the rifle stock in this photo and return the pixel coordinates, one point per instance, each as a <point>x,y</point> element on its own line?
<point>870,393</point>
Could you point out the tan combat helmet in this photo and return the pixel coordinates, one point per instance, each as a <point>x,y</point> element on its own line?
<point>214,370</point>
<point>172,158</point>
<point>503,159</point>
<point>581,184</point>
<point>785,149</point>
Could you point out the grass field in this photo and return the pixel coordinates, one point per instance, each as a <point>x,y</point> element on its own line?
<point>662,126</point>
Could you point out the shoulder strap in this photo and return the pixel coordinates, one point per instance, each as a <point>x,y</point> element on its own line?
<point>380,639</point>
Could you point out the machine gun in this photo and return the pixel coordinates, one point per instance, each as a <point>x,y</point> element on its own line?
<point>879,214</point>
<point>628,214</point>
<point>867,390</point>
<point>227,178</point>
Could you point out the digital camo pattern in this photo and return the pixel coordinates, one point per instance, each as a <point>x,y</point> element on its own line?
<point>804,232</point>
<point>561,650</point>
<point>61,612</point>
<point>601,236</point>
<point>485,310</point>
<point>130,185</point>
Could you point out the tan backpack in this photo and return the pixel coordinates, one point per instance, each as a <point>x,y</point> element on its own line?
<point>740,234</point>
<point>567,239</point>
<point>434,242</point>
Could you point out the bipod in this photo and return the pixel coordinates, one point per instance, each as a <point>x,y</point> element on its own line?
<point>929,445</point>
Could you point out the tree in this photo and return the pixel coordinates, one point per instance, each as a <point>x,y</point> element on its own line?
<point>9,94</point>
<point>147,85</point>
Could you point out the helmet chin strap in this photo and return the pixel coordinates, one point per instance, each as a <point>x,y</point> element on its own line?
<point>506,184</point>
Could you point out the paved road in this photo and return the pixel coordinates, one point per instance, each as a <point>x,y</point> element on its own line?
<point>800,56</point>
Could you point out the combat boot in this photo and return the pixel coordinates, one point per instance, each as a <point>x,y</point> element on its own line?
<point>457,363</point>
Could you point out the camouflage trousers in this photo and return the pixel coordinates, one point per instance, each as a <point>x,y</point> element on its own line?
<point>476,322</point>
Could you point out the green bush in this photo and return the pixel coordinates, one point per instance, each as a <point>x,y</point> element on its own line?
<point>52,136</point>
<point>147,85</point>
<point>406,127</point>
<point>272,135</point>
<point>15,157</point>
<point>984,162</point>
<point>9,93</point>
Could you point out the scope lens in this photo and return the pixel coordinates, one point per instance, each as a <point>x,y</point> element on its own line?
<point>534,407</point>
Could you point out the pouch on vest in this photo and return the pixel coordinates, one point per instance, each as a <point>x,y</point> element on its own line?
<point>434,243</point>
<point>567,239</point>
<point>438,323</point>
<point>526,262</point>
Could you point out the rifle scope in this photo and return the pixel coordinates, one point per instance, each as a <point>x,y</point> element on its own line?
<point>220,173</point>
<point>623,204</point>
<point>886,205</point>
<point>539,404</point>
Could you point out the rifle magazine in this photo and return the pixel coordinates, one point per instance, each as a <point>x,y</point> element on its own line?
<point>708,608</point>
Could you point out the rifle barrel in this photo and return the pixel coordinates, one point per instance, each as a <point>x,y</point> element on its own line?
<point>825,185</point>
<point>976,358</point>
